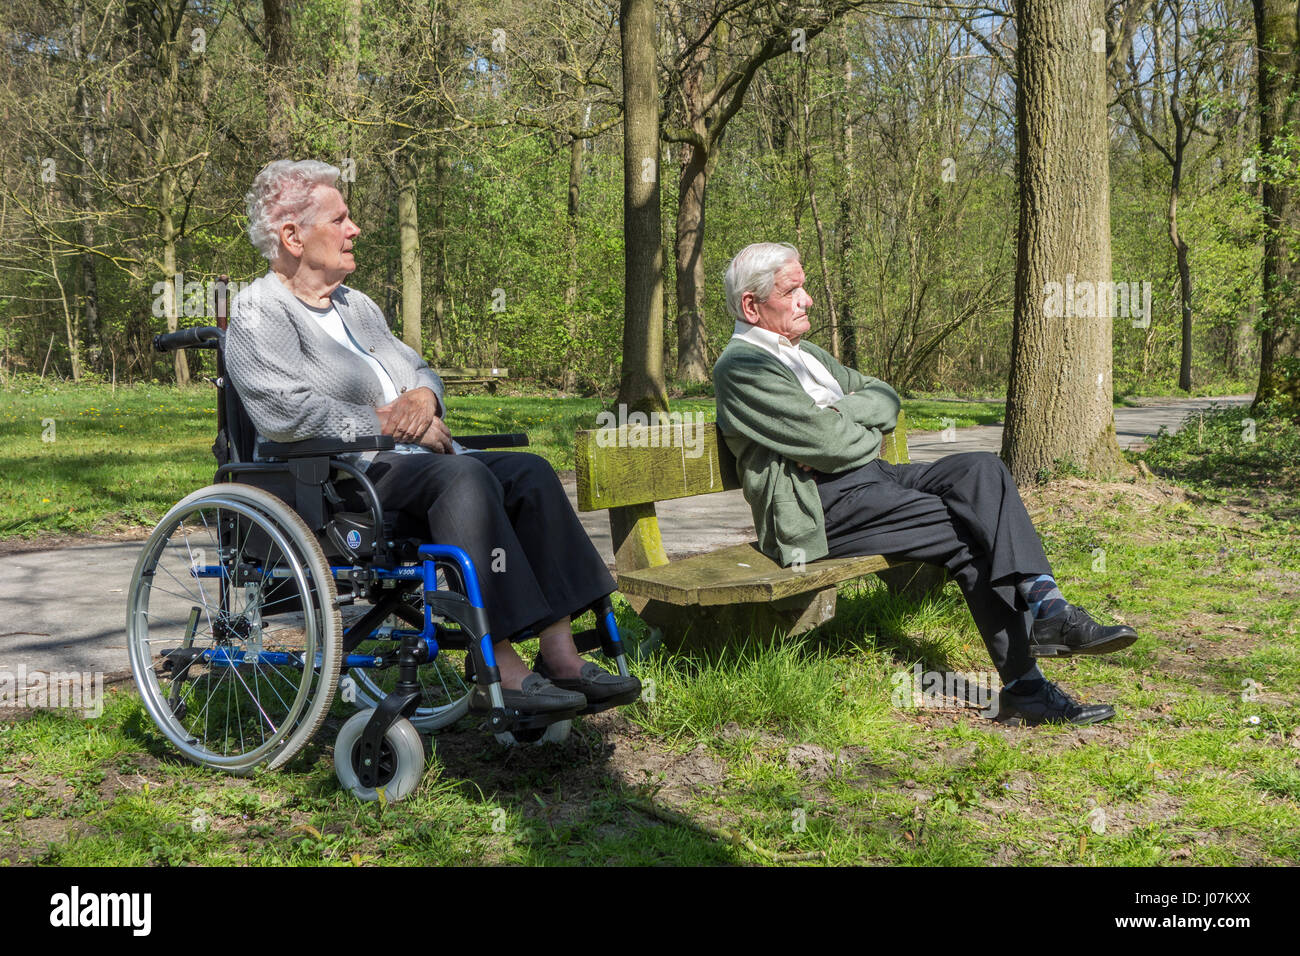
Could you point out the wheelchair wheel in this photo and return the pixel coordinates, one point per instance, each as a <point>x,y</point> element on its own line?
<point>233,629</point>
<point>444,683</point>
<point>401,759</point>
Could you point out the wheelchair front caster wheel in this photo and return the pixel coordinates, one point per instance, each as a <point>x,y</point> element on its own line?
<point>401,759</point>
<point>555,733</point>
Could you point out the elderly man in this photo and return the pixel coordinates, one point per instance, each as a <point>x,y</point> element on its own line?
<point>806,433</point>
<point>313,358</point>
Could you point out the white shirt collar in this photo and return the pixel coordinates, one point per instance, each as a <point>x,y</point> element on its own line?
<point>815,379</point>
<point>763,338</point>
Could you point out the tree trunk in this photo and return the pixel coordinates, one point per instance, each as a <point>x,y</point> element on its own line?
<point>569,375</point>
<point>408,225</point>
<point>1180,252</point>
<point>441,166</point>
<point>347,76</point>
<point>817,218</point>
<point>692,341</point>
<point>279,91</point>
<point>169,52</point>
<point>848,330</point>
<point>642,384</point>
<point>1279,67</point>
<point>89,297</point>
<point>1059,397</point>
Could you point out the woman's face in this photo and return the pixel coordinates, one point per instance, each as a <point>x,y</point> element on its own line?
<point>327,243</point>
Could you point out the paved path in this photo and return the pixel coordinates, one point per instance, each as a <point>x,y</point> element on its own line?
<point>64,609</point>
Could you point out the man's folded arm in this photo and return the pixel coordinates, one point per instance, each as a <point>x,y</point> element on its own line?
<point>772,409</point>
<point>871,402</point>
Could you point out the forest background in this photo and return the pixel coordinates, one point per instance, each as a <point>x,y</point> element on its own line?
<point>481,150</point>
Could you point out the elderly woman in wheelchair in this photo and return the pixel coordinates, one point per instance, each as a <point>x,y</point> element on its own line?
<point>336,472</point>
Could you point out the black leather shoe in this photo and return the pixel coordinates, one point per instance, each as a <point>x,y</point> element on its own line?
<point>1049,705</point>
<point>536,695</point>
<point>1073,631</point>
<point>599,686</point>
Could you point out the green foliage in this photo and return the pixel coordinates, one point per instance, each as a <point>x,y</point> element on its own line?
<point>1228,449</point>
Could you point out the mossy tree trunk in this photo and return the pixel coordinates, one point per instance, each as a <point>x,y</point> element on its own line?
<point>642,384</point>
<point>1279,68</point>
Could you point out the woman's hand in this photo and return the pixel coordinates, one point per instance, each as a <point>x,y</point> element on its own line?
<point>409,417</point>
<point>437,437</point>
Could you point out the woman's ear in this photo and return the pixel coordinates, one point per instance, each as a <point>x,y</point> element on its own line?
<point>291,238</point>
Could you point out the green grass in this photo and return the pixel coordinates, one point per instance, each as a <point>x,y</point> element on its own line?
<point>798,746</point>
<point>88,459</point>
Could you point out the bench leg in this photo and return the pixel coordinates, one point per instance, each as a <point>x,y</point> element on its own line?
<point>916,582</point>
<point>716,627</point>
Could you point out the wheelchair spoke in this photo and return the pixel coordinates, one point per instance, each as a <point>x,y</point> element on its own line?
<point>203,595</point>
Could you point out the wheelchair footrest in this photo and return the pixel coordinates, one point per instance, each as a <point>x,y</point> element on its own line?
<point>504,720</point>
<point>621,701</point>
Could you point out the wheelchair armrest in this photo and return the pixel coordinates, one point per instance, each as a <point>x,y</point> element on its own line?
<point>323,447</point>
<point>482,442</point>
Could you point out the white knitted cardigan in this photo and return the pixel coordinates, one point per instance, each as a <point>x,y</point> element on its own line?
<point>297,382</point>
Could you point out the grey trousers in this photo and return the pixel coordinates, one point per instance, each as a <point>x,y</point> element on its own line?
<point>962,512</point>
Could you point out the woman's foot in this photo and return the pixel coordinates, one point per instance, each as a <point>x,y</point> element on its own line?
<point>595,683</point>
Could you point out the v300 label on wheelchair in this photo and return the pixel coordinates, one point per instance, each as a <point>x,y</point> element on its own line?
<point>235,615</point>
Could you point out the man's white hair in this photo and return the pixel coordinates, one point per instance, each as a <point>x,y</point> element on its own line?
<point>281,193</point>
<point>754,270</point>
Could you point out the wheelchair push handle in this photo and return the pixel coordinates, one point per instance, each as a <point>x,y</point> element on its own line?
<point>198,337</point>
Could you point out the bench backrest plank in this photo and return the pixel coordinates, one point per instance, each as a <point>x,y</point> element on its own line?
<point>459,373</point>
<point>641,464</point>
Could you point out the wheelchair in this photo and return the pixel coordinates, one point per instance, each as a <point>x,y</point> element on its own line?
<point>257,600</point>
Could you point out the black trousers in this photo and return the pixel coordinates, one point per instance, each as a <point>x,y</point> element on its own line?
<point>962,512</point>
<point>509,512</point>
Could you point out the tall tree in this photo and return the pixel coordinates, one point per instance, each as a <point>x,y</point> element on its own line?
<point>1059,397</point>
<point>1276,24</point>
<point>642,385</point>
<point>279,77</point>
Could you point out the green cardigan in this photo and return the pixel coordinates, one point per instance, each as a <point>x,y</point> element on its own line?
<point>772,426</point>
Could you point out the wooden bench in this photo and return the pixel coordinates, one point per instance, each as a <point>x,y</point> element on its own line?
<point>725,595</point>
<point>473,376</point>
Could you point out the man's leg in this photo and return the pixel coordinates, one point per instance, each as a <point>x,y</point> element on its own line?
<point>868,511</point>
<point>978,490</point>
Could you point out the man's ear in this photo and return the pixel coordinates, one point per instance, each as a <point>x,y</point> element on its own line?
<point>747,308</point>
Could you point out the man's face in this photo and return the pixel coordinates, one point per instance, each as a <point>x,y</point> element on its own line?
<point>785,311</point>
<point>327,242</point>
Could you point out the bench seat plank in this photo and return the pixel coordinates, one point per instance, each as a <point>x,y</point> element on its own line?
<point>740,574</point>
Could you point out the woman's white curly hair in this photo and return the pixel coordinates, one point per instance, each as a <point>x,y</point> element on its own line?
<point>282,192</point>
